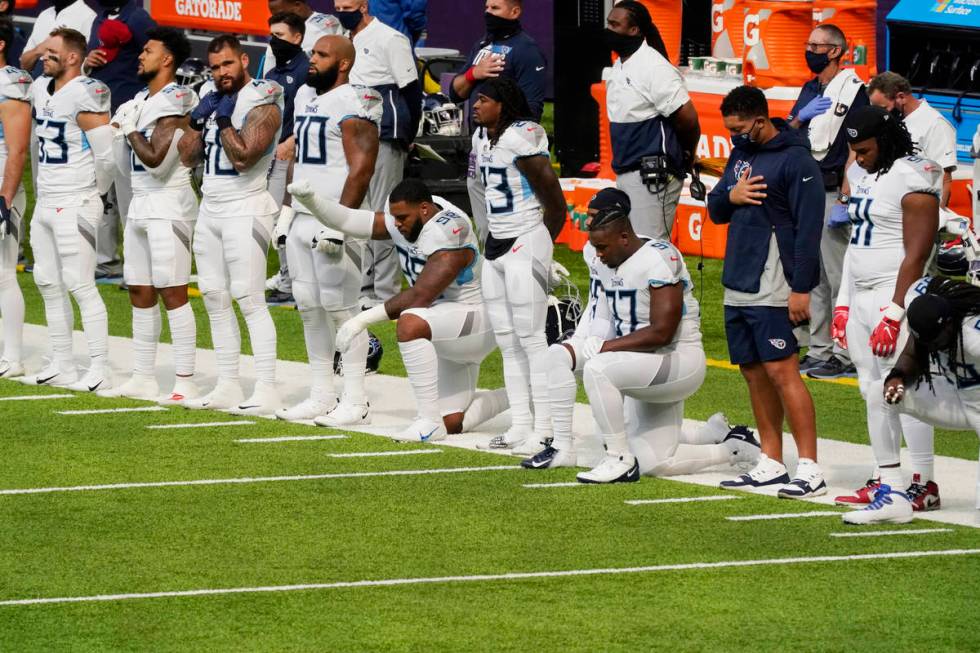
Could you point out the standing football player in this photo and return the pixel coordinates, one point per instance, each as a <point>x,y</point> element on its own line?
<point>894,205</point>
<point>75,167</point>
<point>525,212</point>
<point>233,131</point>
<point>161,216</point>
<point>443,329</point>
<point>336,128</point>
<point>15,120</point>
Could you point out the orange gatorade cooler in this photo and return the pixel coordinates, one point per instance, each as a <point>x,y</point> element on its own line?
<point>775,33</point>
<point>857,19</point>
<point>727,19</point>
<point>666,15</point>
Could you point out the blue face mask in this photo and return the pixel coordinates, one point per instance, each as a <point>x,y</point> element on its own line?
<point>744,140</point>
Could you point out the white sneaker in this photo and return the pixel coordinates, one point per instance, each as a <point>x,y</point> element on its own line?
<point>766,472</point>
<point>184,388</point>
<point>10,369</point>
<point>138,386</point>
<point>422,430</point>
<point>808,482</point>
<point>264,401</point>
<point>889,507</point>
<point>512,438</point>
<point>52,375</point>
<point>225,396</point>
<point>307,409</point>
<point>613,469</point>
<point>95,379</point>
<point>345,414</point>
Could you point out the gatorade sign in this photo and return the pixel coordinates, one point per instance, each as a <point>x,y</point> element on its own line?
<point>750,30</point>
<point>234,16</point>
<point>717,17</point>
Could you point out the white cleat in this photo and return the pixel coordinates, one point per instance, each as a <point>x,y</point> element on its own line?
<point>184,389</point>
<point>137,387</point>
<point>345,414</point>
<point>422,430</point>
<point>514,437</point>
<point>613,469</point>
<point>264,401</point>
<point>10,369</point>
<point>307,409</point>
<point>94,380</point>
<point>888,507</point>
<point>225,396</point>
<point>52,375</point>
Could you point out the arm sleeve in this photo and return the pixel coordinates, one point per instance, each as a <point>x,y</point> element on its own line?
<point>413,96</point>
<point>100,139</point>
<point>720,208</point>
<point>806,205</point>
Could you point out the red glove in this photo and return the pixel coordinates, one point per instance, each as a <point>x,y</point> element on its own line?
<point>884,339</point>
<point>838,327</point>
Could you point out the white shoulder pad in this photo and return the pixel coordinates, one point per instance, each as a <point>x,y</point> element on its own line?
<point>176,100</point>
<point>921,175</point>
<point>369,103</point>
<point>94,97</point>
<point>525,138</point>
<point>917,289</point>
<point>664,263</point>
<point>15,84</point>
<point>266,91</point>
<point>450,229</point>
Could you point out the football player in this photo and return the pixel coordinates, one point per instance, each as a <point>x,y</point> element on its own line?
<point>936,378</point>
<point>161,216</point>
<point>75,167</point>
<point>443,329</point>
<point>894,207</point>
<point>525,212</point>
<point>233,132</point>
<point>15,120</point>
<point>336,127</point>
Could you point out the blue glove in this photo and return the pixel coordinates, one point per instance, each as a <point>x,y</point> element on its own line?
<point>838,216</point>
<point>814,108</point>
<point>206,106</point>
<point>226,106</point>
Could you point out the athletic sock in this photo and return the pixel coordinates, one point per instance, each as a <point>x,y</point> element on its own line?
<point>59,316</point>
<point>95,322</point>
<point>561,395</point>
<point>146,334</point>
<point>422,365</point>
<point>183,334</point>
<point>225,336</point>
<point>262,334</point>
<point>516,381</point>
<point>486,405</point>
<point>12,312</point>
<point>616,444</point>
<point>354,361</point>
<point>892,476</point>
<point>319,334</point>
<point>536,350</point>
<point>919,438</point>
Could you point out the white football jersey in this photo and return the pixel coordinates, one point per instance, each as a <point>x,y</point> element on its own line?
<point>320,156</point>
<point>512,207</point>
<point>596,320</point>
<point>222,183</point>
<point>171,100</point>
<point>658,263</point>
<point>448,229</point>
<point>66,164</point>
<point>876,249</point>
<point>963,373</point>
<point>15,84</point>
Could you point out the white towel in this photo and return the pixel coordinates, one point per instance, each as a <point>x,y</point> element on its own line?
<point>842,90</point>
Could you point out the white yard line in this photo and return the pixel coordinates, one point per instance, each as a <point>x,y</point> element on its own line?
<point>372,454</point>
<point>713,497</point>
<point>394,582</point>
<point>106,411</point>
<point>291,438</point>
<point>911,531</point>
<point>35,397</point>
<point>257,479</point>
<point>786,515</point>
<point>200,425</point>
<point>541,485</point>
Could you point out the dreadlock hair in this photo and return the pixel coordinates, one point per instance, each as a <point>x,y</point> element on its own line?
<point>513,103</point>
<point>894,142</point>
<point>640,18</point>
<point>964,300</point>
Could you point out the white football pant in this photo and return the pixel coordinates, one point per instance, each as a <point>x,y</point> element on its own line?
<point>11,298</point>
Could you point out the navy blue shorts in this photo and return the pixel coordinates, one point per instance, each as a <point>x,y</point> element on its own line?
<point>758,334</point>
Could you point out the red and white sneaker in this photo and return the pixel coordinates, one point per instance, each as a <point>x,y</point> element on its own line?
<point>861,497</point>
<point>924,496</point>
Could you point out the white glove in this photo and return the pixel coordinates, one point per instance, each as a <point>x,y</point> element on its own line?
<point>127,123</point>
<point>353,327</point>
<point>592,347</point>
<point>325,241</point>
<point>281,230</point>
<point>127,111</point>
<point>557,274</point>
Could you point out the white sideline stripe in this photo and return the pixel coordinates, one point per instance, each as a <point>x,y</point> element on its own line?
<point>257,479</point>
<point>292,438</point>
<point>786,515</point>
<point>105,411</point>
<point>392,582</point>
<point>371,454</point>
<point>200,425</point>
<point>572,484</point>
<point>35,397</point>
<point>911,531</point>
<point>713,497</point>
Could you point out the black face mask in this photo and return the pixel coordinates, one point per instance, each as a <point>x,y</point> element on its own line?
<point>323,81</point>
<point>108,4</point>
<point>498,27</point>
<point>622,44</point>
<point>283,50</point>
<point>817,61</point>
<point>897,113</point>
<point>349,19</point>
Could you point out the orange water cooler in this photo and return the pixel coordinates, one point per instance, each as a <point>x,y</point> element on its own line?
<point>727,20</point>
<point>666,15</point>
<point>775,33</point>
<point>857,19</point>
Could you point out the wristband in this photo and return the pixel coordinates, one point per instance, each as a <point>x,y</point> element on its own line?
<point>223,122</point>
<point>197,125</point>
<point>894,312</point>
<point>470,75</point>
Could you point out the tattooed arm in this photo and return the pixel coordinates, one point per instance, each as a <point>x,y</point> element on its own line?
<point>152,152</point>
<point>191,148</point>
<point>258,134</point>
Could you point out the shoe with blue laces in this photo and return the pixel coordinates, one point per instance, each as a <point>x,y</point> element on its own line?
<point>889,507</point>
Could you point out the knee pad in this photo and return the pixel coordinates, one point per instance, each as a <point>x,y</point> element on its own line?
<point>534,344</point>
<point>508,342</point>
<point>216,301</point>
<point>559,357</point>
<point>252,304</point>
<point>307,295</point>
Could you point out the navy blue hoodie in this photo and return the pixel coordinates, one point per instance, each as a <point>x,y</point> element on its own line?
<point>793,209</point>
